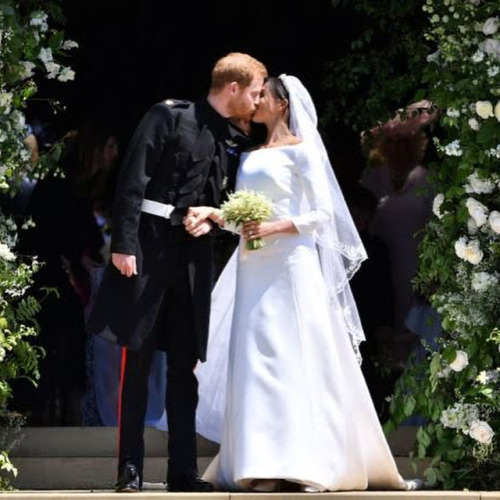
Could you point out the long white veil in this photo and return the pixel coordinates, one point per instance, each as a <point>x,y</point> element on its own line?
<point>340,250</point>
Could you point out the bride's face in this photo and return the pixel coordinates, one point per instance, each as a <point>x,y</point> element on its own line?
<point>269,107</point>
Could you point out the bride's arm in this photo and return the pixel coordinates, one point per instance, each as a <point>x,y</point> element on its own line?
<point>315,186</point>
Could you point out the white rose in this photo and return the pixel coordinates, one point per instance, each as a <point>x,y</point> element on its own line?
<point>469,251</point>
<point>491,47</point>
<point>479,186</point>
<point>497,111</point>
<point>477,211</point>
<point>436,205</point>
<point>473,124</point>
<point>460,362</point>
<point>484,109</point>
<point>490,26</point>
<point>481,432</point>
<point>494,221</point>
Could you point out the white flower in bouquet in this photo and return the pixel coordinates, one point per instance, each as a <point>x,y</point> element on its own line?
<point>459,416</point>
<point>490,26</point>
<point>246,206</point>
<point>477,211</point>
<point>39,21</point>
<point>460,362</point>
<point>6,253</point>
<point>477,185</point>
<point>474,124</point>
<point>436,205</point>
<point>497,111</point>
<point>453,113</point>
<point>52,69</point>
<point>484,109</point>
<point>494,221</point>
<point>481,281</point>
<point>492,47</point>
<point>481,432</point>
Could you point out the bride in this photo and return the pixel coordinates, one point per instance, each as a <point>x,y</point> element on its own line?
<point>282,390</point>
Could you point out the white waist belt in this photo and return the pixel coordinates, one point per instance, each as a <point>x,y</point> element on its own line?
<point>157,208</point>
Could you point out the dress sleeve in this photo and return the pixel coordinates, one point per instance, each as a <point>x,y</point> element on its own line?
<point>314,182</point>
<point>139,164</point>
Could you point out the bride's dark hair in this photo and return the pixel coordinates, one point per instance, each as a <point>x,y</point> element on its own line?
<point>277,88</point>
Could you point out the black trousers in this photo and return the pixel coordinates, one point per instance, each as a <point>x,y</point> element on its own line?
<point>182,387</point>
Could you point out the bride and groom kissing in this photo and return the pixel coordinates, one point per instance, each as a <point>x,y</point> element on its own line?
<point>266,363</point>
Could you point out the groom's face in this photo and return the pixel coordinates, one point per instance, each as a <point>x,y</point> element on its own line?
<point>244,100</point>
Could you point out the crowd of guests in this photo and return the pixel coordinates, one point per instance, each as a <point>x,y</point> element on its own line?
<point>390,202</point>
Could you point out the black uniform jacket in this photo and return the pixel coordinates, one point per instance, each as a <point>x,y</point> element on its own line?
<point>182,154</point>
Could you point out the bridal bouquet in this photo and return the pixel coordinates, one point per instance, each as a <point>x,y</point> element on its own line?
<point>245,206</point>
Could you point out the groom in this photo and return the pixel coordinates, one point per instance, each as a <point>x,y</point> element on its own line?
<point>155,294</point>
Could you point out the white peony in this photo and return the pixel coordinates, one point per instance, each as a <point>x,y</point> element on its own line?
<point>490,27</point>
<point>491,46</point>
<point>482,281</point>
<point>477,211</point>
<point>470,251</point>
<point>436,205</point>
<point>473,124</point>
<point>481,432</point>
<point>460,362</point>
<point>484,109</point>
<point>479,186</point>
<point>494,221</point>
<point>497,111</point>
<point>5,253</point>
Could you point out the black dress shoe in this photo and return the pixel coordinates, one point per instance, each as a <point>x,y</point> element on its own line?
<point>129,480</point>
<point>196,485</point>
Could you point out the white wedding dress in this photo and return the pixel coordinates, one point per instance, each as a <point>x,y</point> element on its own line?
<point>284,395</point>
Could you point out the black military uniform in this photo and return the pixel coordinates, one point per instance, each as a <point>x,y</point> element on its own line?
<point>181,155</point>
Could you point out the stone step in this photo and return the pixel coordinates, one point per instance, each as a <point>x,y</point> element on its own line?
<point>155,495</point>
<point>103,442</point>
<point>99,473</point>
<point>85,457</point>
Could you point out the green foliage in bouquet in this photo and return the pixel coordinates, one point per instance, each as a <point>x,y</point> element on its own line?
<point>245,206</point>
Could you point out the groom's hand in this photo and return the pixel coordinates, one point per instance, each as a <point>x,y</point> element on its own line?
<point>197,221</point>
<point>126,264</point>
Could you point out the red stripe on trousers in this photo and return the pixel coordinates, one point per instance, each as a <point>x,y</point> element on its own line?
<point>122,379</point>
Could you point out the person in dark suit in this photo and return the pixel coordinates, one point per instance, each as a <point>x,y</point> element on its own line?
<point>155,292</point>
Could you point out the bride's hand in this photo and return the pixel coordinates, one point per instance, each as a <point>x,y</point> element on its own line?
<point>253,230</point>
